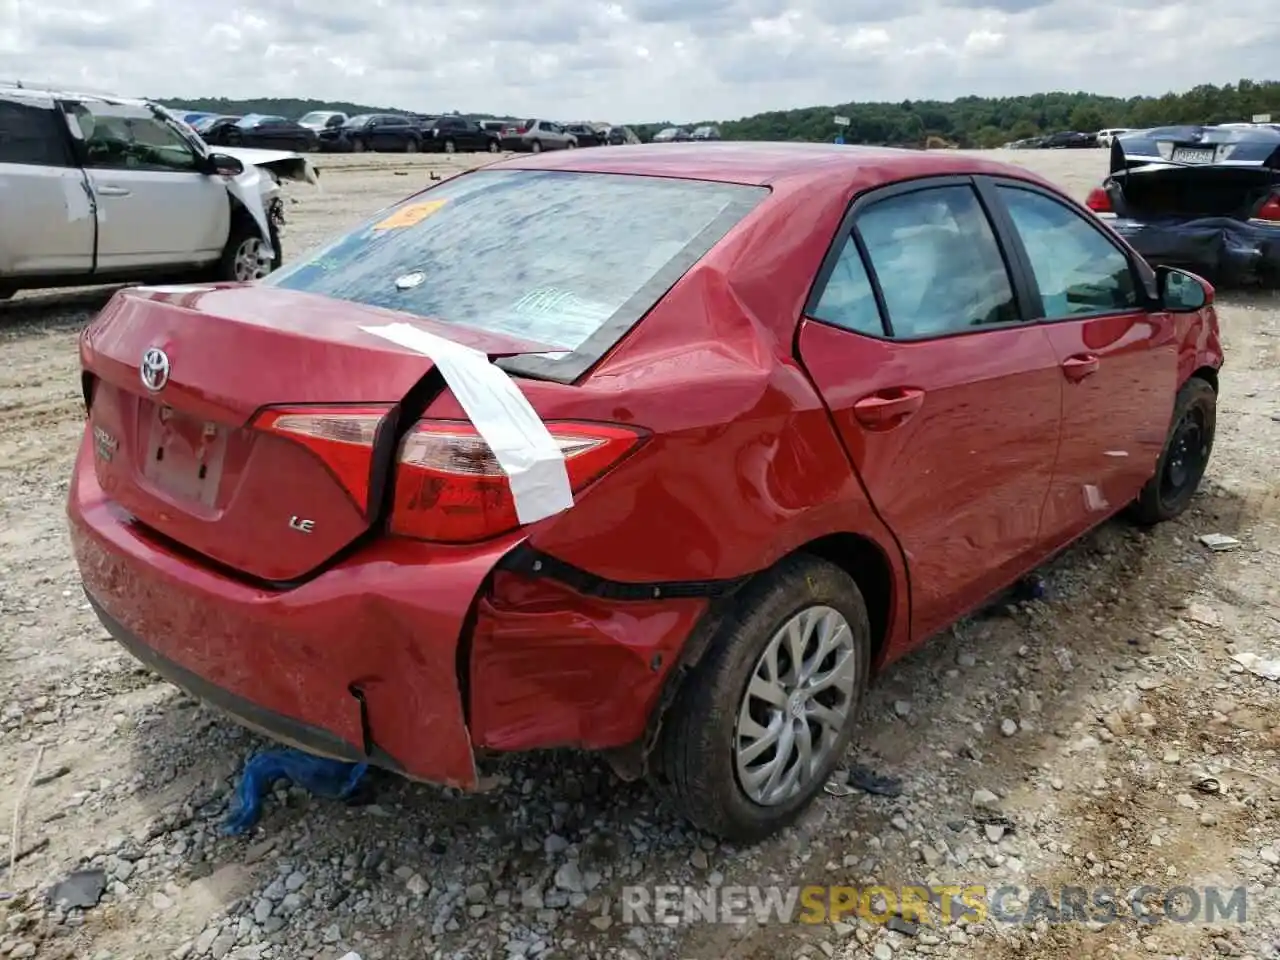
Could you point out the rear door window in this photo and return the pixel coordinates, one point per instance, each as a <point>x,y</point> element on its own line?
<point>1078,270</point>
<point>518,252</point>
<point>29,134</point>
<point>848,299</point>
<point>937,261</point>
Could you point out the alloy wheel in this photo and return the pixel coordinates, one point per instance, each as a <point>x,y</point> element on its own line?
<point>251,262</point>
<point>796,705</point>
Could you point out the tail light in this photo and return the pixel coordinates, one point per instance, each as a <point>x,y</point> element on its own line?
<point>521,131</point>
<point>450,487</point>
<point>1271,209</point>
<point>1099,200</point>
<point>342,437</point>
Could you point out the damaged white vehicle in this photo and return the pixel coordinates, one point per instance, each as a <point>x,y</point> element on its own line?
<point>97,189</point>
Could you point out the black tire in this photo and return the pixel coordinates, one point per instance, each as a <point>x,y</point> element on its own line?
<point>535,147</point>
<point>1184,458</point>
<point>450,146</point>
<point>693,764</point>
<point>243,230</point>
<point>493,146</point>
<point>278,260</point>
<point>411,145</point>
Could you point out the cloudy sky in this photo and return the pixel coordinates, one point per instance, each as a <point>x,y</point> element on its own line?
<point>635,60</point>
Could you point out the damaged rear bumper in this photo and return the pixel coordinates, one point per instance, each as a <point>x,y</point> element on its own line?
<point>1226,251</point>
<point>267,722</point>
<point>406,655</point>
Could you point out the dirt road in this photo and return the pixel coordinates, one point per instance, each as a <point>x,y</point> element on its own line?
<point>1085,718</point>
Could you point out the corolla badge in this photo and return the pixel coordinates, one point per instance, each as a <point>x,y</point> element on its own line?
<point>154,370</point>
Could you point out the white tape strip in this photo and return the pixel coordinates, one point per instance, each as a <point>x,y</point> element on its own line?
<point>502,415</point>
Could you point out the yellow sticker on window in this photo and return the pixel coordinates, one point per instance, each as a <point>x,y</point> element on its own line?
<point>409,216</point>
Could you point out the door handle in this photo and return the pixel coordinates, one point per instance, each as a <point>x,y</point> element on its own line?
<point>1080,366</point>
<point>113,192</point>
<point>886,409</point>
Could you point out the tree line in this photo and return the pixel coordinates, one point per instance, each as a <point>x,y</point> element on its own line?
<point>966,122</point>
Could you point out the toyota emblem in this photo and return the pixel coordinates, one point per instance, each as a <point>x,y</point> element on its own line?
<point>155,369</point>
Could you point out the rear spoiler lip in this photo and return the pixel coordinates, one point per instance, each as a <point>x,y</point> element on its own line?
<point>1143,166</point>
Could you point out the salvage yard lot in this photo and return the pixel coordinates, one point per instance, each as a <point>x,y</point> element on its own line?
<point>1091,713</point>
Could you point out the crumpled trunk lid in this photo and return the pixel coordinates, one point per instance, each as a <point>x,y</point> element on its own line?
<point>1158,190</point>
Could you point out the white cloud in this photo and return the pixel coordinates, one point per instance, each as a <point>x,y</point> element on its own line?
<point>635,60</point>
<point>983,42</point>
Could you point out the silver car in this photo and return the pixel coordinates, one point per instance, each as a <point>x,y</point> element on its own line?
<point>105,190</point>
<point>534,136</point>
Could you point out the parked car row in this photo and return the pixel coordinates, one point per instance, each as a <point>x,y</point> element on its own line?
<point>680,134</point>
<point>1063,140</point>
<point>334,131</point>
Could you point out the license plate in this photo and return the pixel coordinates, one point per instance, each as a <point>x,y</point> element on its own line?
<point>1193,155</point>
<point>185,456</point>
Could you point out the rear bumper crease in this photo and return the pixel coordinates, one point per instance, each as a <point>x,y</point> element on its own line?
<point>268,722</point>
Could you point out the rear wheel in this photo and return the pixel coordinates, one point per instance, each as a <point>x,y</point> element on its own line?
<point>493,146</point>
<point>1185,456</point>
<point>760,723</point>
<point>571,144</point>
<point>536,146</point>
<point>357,146</point>
<point>411,145</point>
<point>450,147</point>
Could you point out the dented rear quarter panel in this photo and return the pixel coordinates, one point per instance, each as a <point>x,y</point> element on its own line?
<point>742,467</point>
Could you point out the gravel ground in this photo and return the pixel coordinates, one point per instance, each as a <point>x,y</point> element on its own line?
<point>1056,742</point>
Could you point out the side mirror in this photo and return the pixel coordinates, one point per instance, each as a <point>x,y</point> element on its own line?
<point>1181,291</point>
<point>224,166</point>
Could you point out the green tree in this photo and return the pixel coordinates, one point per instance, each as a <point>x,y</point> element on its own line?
<point>1024,130</point>
<point>1087,118</point>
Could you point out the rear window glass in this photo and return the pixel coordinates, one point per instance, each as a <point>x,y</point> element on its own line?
<point>536,255</point>
<point>30,135</point>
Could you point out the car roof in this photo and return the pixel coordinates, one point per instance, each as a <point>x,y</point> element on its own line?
<point>765,164</point>
<point>46,95</point>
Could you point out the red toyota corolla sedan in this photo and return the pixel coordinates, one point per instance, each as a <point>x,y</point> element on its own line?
<point>658,451</point>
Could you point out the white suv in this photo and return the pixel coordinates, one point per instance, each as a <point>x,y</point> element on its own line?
<point>105,190</point>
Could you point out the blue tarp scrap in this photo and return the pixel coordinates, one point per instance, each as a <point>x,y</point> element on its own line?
<point>330,779</point>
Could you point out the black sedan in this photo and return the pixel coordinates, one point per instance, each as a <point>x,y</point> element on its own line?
<point>1205,199</point>
<point>1069,140</point>
<point>392,132</point>
<point>456,135</point>
<point>588,136</point>
<point>257,130</point>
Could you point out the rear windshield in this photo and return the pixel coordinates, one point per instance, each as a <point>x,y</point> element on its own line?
<point>537,255</point>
